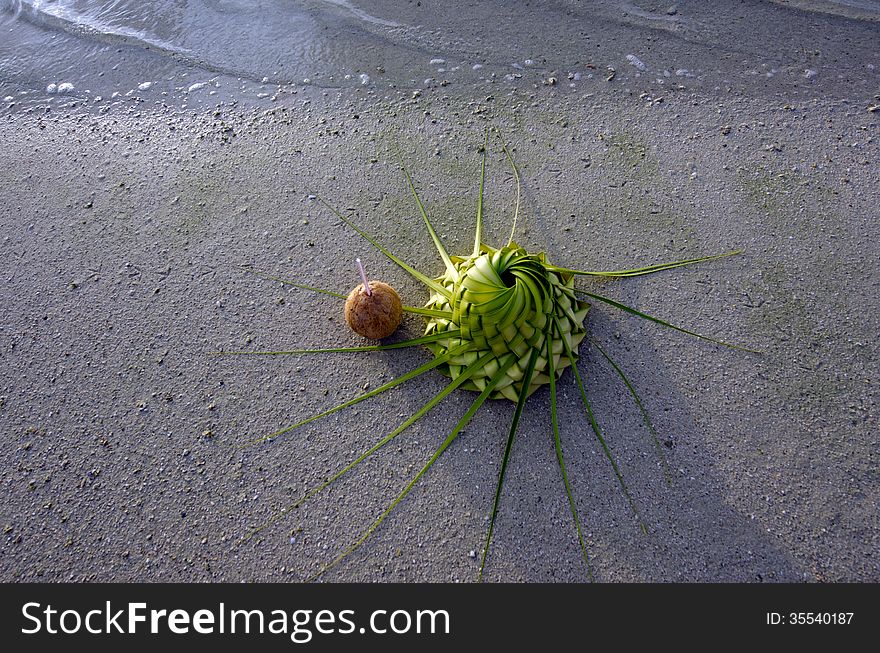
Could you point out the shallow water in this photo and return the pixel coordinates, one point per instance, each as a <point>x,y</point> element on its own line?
<point>194,52</point>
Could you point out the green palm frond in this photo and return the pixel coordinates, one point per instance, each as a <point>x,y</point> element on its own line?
<point>501,323</point>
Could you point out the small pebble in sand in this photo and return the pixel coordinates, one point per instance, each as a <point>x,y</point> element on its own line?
<point>65,87</point>
<point>144,86</point>
<point>636,62</point>
<point>365,78</point>
<point>52,88</point>
<point>437,62</point>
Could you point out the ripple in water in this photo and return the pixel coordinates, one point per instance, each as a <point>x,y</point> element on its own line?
<point>192,51</point>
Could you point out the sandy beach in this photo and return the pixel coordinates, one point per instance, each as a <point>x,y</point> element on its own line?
<point>126,225</point>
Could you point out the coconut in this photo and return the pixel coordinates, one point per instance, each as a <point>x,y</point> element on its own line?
<point>374,315</point>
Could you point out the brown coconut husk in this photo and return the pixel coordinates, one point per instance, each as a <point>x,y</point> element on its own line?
<point>373,316</point>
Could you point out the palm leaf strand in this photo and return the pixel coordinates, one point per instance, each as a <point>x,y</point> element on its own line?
<point>475,406</point>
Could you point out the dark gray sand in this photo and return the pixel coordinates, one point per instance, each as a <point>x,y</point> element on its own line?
<point>122,237</point>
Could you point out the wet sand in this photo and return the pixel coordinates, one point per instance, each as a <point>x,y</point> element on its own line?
<point>123,234</point>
